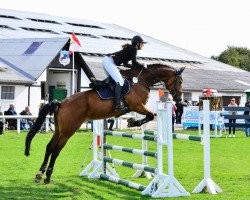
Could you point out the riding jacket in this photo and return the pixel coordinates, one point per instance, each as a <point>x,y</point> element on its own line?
<point>125,55</point>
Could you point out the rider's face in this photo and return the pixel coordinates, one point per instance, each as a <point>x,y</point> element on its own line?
<point>140,45</point>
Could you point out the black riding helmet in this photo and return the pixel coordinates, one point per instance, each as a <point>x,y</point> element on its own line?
<point>137,39</point>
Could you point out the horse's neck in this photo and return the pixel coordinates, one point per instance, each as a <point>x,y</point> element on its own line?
<point>150,76</point>
<point>157,75</point>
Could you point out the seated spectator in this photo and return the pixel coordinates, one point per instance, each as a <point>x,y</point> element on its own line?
<point>12,123</point>
<point>24,121</point>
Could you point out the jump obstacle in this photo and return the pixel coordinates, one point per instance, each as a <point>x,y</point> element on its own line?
<point>162,185</point>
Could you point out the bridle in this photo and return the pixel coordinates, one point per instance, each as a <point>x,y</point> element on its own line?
<point>158,80</point>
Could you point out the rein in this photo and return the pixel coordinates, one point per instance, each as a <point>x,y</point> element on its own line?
<point>161,82</point>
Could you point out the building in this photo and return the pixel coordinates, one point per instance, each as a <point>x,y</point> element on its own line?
<point>30,45</point>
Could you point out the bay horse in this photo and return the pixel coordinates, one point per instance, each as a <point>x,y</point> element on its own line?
<point>74,110</point>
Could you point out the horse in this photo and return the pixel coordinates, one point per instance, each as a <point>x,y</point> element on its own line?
<point>74,110</point>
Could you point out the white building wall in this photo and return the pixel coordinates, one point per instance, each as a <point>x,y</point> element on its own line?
<point>35,99</point>
<point>20,100</point>
<point>153,97</point>
<point>84,80</point>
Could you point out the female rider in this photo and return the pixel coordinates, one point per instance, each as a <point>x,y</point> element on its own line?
<point>110,63</point>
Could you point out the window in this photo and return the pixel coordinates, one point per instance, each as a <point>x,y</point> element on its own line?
<point>39,30</point>
<point>187,96</point>
<point>6,27</point>
<point>7,92</point>
<point>81,34</point>
<point>32,48</point>
<point>10,17</point>
<point>43,20</point>
<point>116,38</point>
<point>84,25</point>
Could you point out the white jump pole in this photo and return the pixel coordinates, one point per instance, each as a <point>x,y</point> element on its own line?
<point>95,167</point>
<point>207,182</point>
<point>165,185</point>
<point>95,164</point>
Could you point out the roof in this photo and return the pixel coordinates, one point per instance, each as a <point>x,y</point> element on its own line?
<point>98,39</point>
<point>8,75</point>
<point>30,56</point>
<point>196,79</point>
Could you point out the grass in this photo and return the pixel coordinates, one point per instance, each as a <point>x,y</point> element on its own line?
<point>230,168</point>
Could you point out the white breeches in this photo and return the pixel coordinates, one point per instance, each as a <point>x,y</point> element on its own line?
<point>111,69</point>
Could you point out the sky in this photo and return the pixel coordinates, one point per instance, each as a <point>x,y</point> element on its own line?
<point>205,27</point>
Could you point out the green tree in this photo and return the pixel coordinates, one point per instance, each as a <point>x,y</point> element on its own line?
<point>235,56</point>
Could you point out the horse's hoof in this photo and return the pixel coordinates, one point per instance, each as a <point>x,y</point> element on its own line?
<point>131,120</point>
<point>47,181</point>
<point>38,178</point>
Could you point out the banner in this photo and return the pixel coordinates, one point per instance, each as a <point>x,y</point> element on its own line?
<point>64,57</point>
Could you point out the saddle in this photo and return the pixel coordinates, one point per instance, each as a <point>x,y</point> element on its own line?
<point>105,88</point>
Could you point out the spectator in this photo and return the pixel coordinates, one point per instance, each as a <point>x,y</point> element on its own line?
<point>111,121</point>
<point>179,112</point>
<point>43,127</point>
<point>24,121</point>
<point>1,122</point>
<point>170,98</point>
<point>12,123</point>
<point>232,121</point>
<point>247,121</point>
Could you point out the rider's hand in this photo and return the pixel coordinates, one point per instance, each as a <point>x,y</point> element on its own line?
<point>145,66</point>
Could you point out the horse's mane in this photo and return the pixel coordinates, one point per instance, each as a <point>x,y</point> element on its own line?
<point>129,73</point>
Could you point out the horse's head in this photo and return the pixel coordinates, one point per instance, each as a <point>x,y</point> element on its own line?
<point>176,91</point>
<point>173,81</point>
<point>159,73</point>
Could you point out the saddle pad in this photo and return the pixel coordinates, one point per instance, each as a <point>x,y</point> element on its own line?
<point>108,92</point>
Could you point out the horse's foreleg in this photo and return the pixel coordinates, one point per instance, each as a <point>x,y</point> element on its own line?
<point>61,143</point>
<point>141,110</point>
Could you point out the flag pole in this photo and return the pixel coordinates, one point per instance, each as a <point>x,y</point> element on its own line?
<point>73,74</point>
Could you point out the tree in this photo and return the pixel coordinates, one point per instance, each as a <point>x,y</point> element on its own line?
<point>235,56</point>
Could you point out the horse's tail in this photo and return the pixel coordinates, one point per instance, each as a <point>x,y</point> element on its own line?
<point>47,108</point>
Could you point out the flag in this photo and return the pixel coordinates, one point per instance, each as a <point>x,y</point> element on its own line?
<point>74,44</point>
<point>64,57</point>
<point>161,93</point>
<point>208,92</point>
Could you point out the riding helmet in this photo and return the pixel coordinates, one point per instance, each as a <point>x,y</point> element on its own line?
<point>137,39</point>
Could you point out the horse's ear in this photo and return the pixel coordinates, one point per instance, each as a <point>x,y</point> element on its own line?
<point>178,73</point>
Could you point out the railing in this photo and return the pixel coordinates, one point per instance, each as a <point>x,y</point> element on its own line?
<point>237,116</point>
<point>19,117</point>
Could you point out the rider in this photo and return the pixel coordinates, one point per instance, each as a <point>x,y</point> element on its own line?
<point>110,63</point>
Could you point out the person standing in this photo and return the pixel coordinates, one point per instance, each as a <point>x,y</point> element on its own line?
<point>170,98</point>
<point>179,112</point>
<point>1,122</point>
<point>247,121</point>
<point>232,121</point>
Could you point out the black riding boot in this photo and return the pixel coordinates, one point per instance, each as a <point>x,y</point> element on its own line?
<point>118,93</point>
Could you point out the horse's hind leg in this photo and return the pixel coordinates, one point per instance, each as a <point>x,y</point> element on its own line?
<point>61,143</point>
<point>48,152</point>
